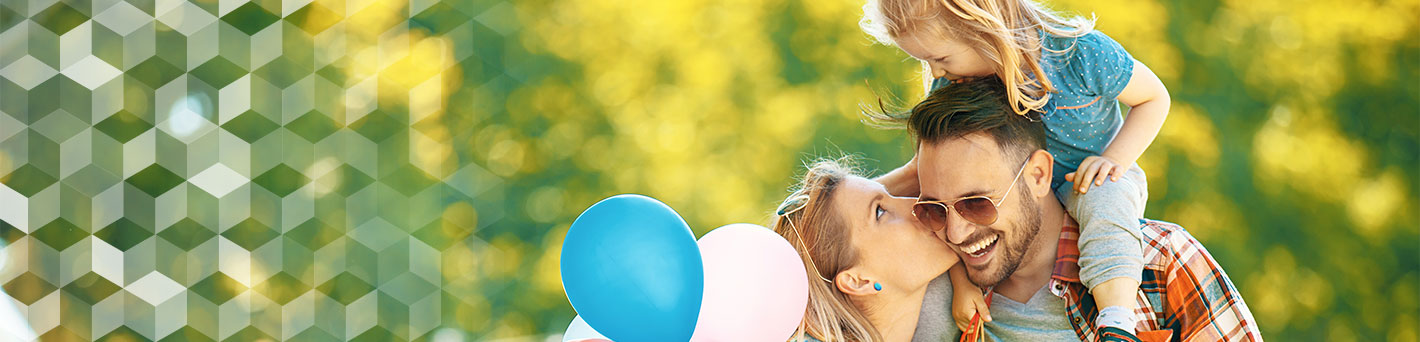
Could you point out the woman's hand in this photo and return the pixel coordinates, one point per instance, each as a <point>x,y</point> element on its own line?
<point>902,181</point>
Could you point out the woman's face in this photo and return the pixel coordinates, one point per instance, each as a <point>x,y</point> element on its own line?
<point>948,58</point>
<point>892,245</point>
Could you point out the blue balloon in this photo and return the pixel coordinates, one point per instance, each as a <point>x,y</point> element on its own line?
<point>632,270</point>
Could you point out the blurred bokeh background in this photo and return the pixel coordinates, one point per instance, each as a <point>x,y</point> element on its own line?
<point>406,169</point>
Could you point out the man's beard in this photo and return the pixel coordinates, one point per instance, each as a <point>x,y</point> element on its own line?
<point>1015,246</point>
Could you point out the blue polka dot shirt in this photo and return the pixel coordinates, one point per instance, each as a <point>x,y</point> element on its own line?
<point>1083,115</point>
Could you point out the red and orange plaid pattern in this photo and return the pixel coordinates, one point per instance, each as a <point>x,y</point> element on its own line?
<point>1184,295</point>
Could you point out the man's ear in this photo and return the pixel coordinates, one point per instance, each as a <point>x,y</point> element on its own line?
<point>1039,172</point>
<point>854,283</point>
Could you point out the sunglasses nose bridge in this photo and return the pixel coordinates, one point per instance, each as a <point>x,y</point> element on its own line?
<point>955,225</point>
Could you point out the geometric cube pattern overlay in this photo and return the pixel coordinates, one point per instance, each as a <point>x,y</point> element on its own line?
<point>232,170</point>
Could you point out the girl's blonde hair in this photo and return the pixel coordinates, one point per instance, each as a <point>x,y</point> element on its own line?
<point>822,239</point>
<point>1003,31</point>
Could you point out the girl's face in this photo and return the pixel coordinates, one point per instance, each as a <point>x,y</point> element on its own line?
<point>893,247</point>
<point>947,57</point>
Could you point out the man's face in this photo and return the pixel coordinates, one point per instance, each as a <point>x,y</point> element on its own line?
<point>975,165</point>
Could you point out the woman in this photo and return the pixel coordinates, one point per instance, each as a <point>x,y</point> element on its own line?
<point>869,260</point>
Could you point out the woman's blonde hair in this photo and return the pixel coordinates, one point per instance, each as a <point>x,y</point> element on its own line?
<point>822,239</point>
<point>1002,31</point>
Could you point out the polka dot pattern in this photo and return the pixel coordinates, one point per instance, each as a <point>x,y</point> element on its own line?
<point>1083,116</point>
<point>1081,119</point>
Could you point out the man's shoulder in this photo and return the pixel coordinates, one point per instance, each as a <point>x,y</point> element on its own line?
<point>1166,242</point>
<point>1160,228</point>
<point>1156,230</point>
<point>1201,301</point>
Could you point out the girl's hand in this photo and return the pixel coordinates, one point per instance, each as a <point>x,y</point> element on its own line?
<point>1094,169</point>
<point>967,301</point>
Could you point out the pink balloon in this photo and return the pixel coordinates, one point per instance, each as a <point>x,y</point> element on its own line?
<point>756,288</point>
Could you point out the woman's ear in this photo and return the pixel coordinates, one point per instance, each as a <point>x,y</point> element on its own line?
<point>854,283</point>
<point>1039,172</point>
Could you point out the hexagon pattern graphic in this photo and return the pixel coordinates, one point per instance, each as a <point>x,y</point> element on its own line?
<point>214,170</point>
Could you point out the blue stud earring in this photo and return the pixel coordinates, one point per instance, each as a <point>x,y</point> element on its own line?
<point>878,286</point>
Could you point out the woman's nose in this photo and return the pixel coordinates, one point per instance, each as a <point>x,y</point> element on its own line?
<point>904,206</point>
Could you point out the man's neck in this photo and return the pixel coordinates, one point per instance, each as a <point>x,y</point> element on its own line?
<point>895,315</point>
<point>1039,262</point>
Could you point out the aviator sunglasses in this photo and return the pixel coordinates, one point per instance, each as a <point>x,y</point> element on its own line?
<point>793,205</point>
<point>980,210</point>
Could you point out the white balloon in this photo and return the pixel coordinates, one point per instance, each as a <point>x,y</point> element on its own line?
<point>579,331</point>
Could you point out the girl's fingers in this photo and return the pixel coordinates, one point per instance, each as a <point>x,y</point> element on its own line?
<point>1105,171</point>
<point>1079,173</point>
<point>963,318</point>
<point>1089,177</point>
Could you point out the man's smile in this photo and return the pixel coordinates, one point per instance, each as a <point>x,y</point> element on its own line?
<point>979,251</point>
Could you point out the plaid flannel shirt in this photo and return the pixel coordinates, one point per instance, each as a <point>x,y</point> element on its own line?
<point>1183,295</point>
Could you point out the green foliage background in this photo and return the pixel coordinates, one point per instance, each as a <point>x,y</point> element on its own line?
<point>1292,149</point>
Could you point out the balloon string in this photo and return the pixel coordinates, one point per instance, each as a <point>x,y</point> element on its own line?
<point>973,330</point>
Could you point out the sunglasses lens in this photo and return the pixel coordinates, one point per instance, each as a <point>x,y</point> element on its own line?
<point>792,204</point>
<point>932,215</point>
<point>977,210</point>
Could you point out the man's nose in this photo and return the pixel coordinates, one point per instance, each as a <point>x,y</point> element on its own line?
<point>957,228</point>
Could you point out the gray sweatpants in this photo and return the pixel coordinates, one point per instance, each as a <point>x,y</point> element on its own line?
<point>1110,242</point>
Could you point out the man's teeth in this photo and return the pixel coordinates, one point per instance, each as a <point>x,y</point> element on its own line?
<point>976,247</point>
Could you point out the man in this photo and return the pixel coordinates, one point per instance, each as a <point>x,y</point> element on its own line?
<point>985,185</point>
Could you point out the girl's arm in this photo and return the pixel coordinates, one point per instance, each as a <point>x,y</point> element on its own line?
<point>902,181</point>
<point>967,299</point>
<point>1148,102</point>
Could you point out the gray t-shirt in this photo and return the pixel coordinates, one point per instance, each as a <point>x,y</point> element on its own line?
<point>1042,318</point>
<point>935,323</point>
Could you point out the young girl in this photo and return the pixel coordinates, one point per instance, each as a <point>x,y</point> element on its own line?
<point>1070,76</point>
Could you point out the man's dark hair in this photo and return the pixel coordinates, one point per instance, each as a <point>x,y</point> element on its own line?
<point>976,106</point>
